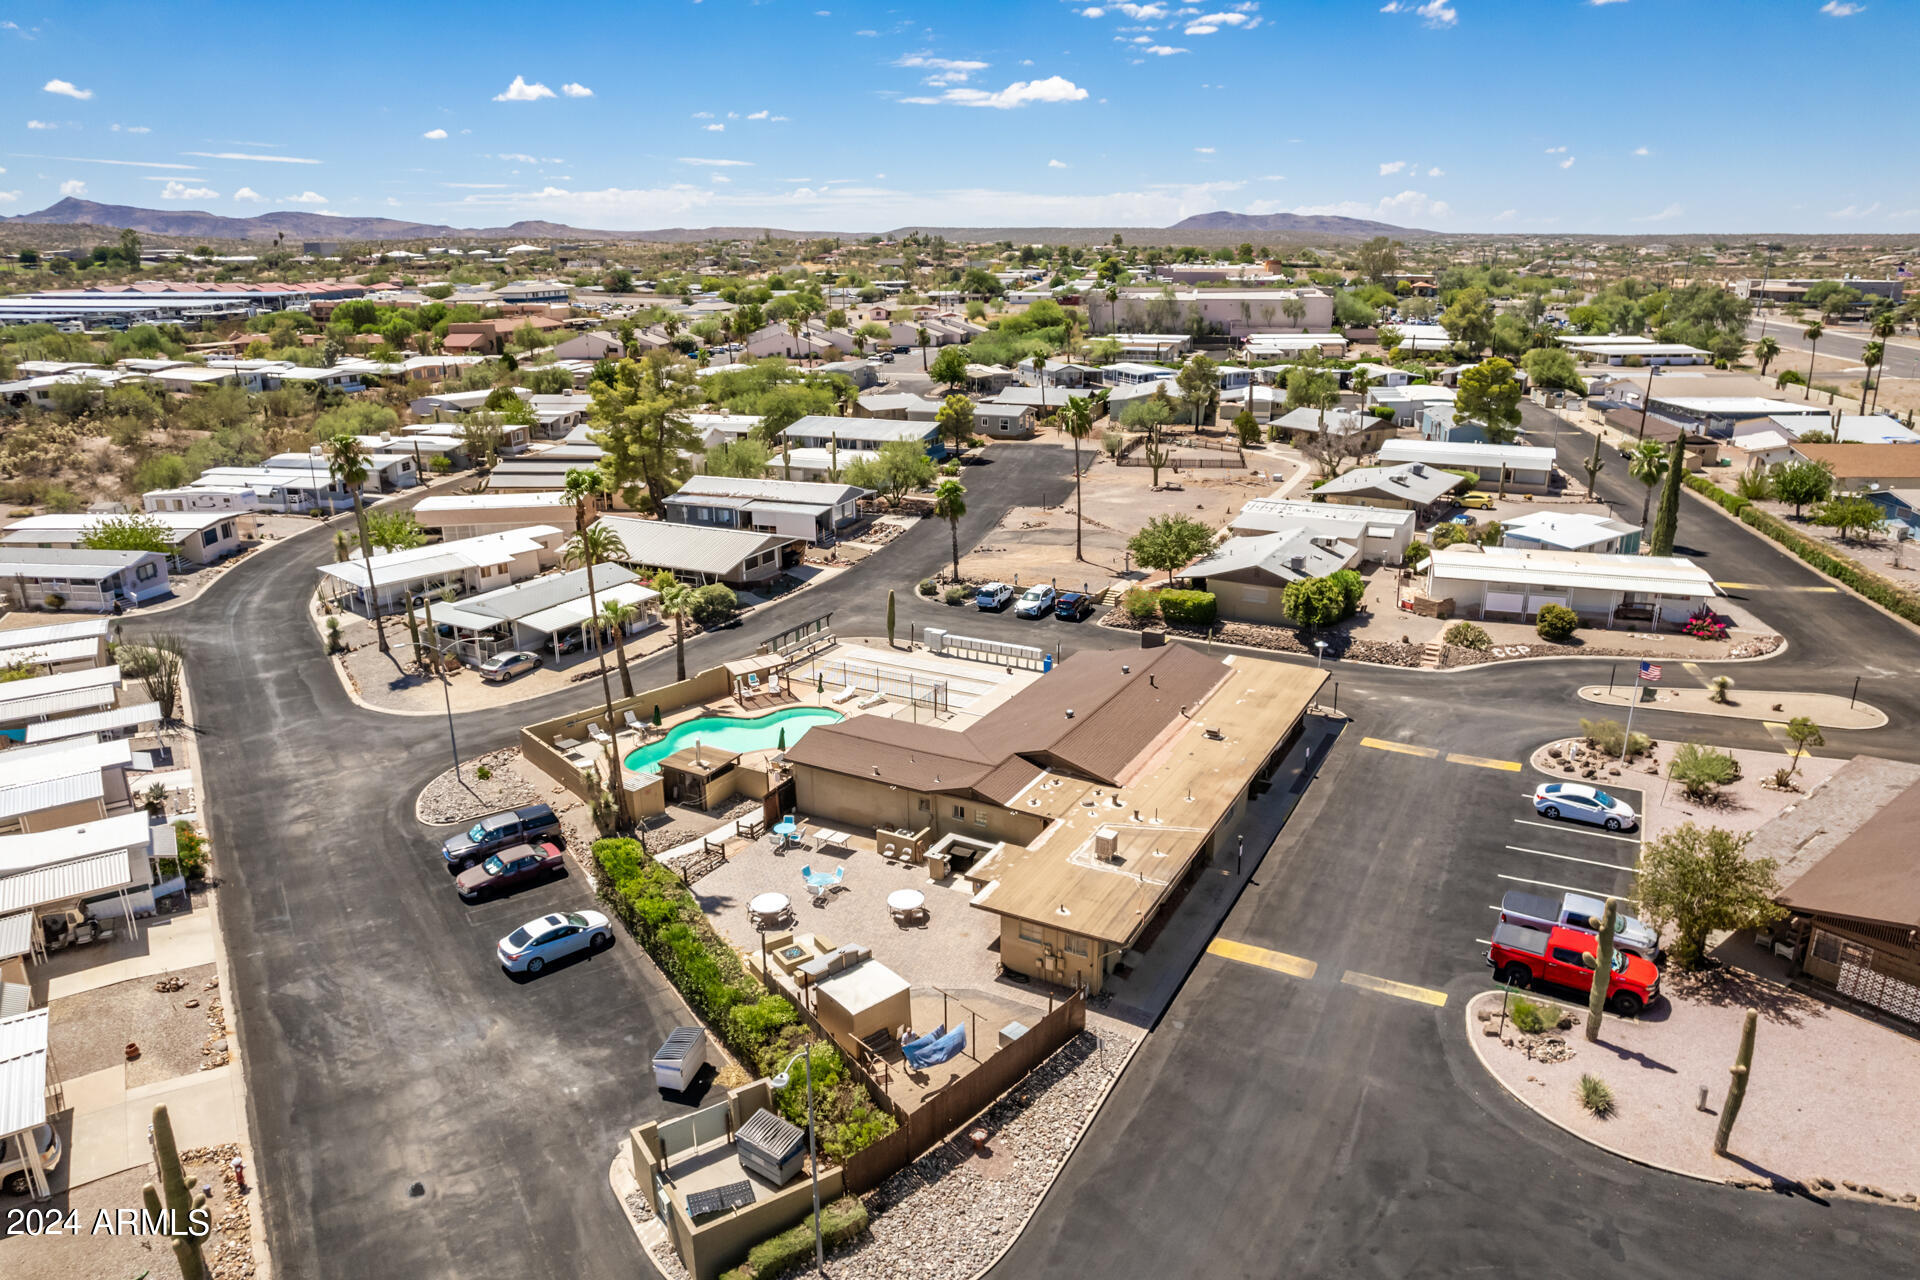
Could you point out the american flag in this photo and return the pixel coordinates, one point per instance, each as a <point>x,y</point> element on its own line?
<point>1650,671</point>
<point>1903,273</point>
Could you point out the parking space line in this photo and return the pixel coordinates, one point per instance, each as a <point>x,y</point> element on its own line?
<point>1387,987</point>
<point>1404,748</point>
<point>1278,961</point>
<point>1570,888</point>
<point>1567,857</point>
<point>1576,831</point>
<point>1511,766</point>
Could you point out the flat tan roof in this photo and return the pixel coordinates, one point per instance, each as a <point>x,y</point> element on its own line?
<point>1160,816</point>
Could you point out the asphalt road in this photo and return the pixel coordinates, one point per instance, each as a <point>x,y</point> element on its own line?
<point>1328,1128</point>
<point>1902,358</point>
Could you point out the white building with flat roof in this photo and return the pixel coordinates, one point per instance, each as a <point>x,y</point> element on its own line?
<point>469,566</point>
<point>1605,590</point>
<point>1524,466</point>
<point>1379,533</point>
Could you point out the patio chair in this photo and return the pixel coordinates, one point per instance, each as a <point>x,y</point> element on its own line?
<point>847,694</point>
<point>636,724</point>
<point>822,885</point>
<point>871,700</point>
<point>600,735</point>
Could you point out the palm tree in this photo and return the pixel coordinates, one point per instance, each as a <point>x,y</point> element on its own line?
<point>1647,464</point>
<point>616,616</point>
<point>1040,377</point>
<point>1765,351</point>
<point>924,339</point>
<point>949,503</point>
<point>598,544</point>
<point>1884,327</point>
<point>585,487</point>
<point>796,322</point>
<point>1113,303</point>
<point>1812,335</point>
<point>1077,422</point>
<point>347,464</point>
<point>1871,359</point>
<point>676,602</point>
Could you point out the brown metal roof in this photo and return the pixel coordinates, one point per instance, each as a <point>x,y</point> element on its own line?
<point>1873,874</point>
<point>1871,460</point>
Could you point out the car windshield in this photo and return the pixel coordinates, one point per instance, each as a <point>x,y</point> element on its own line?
<point>1619,962</point>
<point>577,920</point>
<point>1605,801</point>
<point>494,866</point>
<point>519,938</point>
<point>478,831</point>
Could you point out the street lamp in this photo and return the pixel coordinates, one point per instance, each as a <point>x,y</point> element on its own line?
<point>780,1082</point>
<point>1319,652</point>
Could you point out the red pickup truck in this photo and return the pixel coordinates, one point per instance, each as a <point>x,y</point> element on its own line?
<point>1521,956</point>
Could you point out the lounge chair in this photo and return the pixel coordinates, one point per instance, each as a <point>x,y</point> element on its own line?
<point>600,735</point>
<point>871,700</point>
<point>636,724</point>
<point>846,695</point>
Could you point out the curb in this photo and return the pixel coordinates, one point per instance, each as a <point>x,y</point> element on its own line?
<point>620,1180</point>
<point>1728,715</point>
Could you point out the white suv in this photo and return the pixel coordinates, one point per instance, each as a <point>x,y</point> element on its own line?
<point>993,596</point>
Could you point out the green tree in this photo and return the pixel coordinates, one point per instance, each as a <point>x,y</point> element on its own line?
<point>949,504</point>
<point>1666,521</point>
<point>1378,258</point>
<point>1169,543</point>
<point>676,602</point>
<point>1870,358</point>
<point>1246,427</point>
<point>899,466</point>
<point>955,417</point>
<point>1314,603</point>
<point>950,368</point>
<point>746,458</point>
<point>136,532</point>
<point>614,618</point>
<point>593,545</point>
<point>1199,383</point>
<point>1077,422</point>
<point>1647,463</point>
<point>1489,394</point>
<point>1766,351</point>
<point>586,488</point>
<point>1700,881</point>
<point>1469,321</point>
<point>1552,369</point>
<point>347,465</point>
<point>1701,771</point>
<point>1802,483</point>
<point>1851,514</point>
<point>923,340</point>
<point>640,418</point>
<point>1805,735</point>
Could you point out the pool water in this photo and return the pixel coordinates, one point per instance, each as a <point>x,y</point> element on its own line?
<point>732,733</point>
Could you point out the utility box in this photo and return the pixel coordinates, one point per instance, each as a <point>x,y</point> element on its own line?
<point>936,639</point>
<point>679,1060</point>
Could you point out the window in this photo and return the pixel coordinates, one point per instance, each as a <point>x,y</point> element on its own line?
<point>209,536</point>
<point>1077,946</point>
<point>980,818</point>
<point>959,813</point>
<point>926,806</point>
<point>1032,933</point>
<point>146,572</point>
<point>1253,595</point>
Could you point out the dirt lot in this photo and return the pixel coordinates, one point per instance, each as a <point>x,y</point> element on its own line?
<point>90,1031</point>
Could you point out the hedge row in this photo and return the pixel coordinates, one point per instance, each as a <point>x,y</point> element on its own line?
<point>759,1027</point>
<point>1882,591</point>
<point>1188,608</point>
<point>843,1220</point>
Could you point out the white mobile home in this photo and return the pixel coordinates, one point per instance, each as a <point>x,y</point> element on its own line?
<point>1605,590</point>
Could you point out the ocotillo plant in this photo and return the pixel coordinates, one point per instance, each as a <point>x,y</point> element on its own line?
<point>1737,1090</point>
<point>180,1199</point>
<point>1602,969</point>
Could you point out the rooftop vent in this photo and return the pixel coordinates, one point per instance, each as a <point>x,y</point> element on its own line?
<point>1418,468</point>
<point>1106,843</point>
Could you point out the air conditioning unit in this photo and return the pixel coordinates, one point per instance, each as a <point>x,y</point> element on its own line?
<point>1106,843</point>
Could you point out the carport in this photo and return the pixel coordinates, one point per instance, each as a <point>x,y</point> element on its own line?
<point>64,882</point>
<point>16,941</point>
<point>545,627</point>
<point>23,1090</point>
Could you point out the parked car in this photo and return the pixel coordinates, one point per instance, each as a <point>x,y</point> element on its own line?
<point>1037,602</point>
<point>1073,605</point>
<point>538,943</point>
<point>1477,501</point>
<point>1583,804</point>
<point>498,831</point>
<point>993,597</point>
<point>1522,956</point>
<point>903,350</point>
<point>454,589</point>
<point>510,869</point>
<point>1575,911</point>
<point>569,642</point>
<point>13,1159</point>
<point>502,667</point>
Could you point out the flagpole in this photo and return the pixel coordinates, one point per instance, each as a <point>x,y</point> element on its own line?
<point>1626,741</point>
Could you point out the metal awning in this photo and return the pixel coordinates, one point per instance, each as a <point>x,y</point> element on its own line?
<point>23,1071</point>
<point>66,881</point>
<point>98,722</point>
<point>16,934</point>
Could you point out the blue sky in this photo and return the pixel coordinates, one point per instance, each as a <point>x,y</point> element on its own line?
<point>1642,116</point>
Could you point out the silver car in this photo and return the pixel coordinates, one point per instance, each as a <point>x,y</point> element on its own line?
<point>538,943</point>
<point>1583,804</point>
<point>505,666</point>
<point>13,1159</point>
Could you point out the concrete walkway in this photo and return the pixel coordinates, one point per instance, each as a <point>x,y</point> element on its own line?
<point>1829,1097</point>
<point>110,1120</point>
<point>1828,710</point>
<point>166,944</point>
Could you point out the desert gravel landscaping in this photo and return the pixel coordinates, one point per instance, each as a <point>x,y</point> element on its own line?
<point>90,1031</point>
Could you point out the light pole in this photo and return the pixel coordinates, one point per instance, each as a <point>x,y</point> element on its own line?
<point>1319,652</point>
<point>780,1083</point>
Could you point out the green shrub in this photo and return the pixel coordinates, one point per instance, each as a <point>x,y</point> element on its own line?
<point>1141,605</point>
<point>1467,635</point>
<point>1702,771</point>
<point>1530,1017</point>
<point>483,773</point>
<point>1188,608</point>
<point>715,604</point>
<point>1556,623</point>
<point>1352,586</point>
<point>1610,735</point>
<point>843,1220</point>
<point>926,587</point>
<point>1595,1096</point>
<point>192,850</point>
<point>954,595</point>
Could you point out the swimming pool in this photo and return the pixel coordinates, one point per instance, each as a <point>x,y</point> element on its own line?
<point>732,733</point>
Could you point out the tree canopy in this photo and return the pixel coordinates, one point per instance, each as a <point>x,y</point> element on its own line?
<point>1169,543</point>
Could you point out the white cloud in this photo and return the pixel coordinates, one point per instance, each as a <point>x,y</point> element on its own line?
<point>778,119</point>
<point>703,115</point>
<point>1855,211</point>
<point>73,187</point>
<point>716,164</point>
<point>1641,151</point>
<point>434,135</point>
<point>1403,207</point>
<point>131,128</point>
<point>714,128</point>
<point>718,177</point>
<point>307,197</point>
<point>1392,166</point>
<point>248,193</point>
<point>1835,9</point>
<point>1093,11</point>
<point>1056,164</point>
<point>521,157</point>
<point>244,155</point>
<point>1018,94</point>
<point>1435,13</point>
<point>1164,50</point>
<point>181,191</point>
<point>521,91</point>
<point>869,34</point>
<point>1667,214</point>
<point>1208,23</point>
<point>1436,172</point>
<point>1556,151</point>
<point>1567,163</point>
<point>931,63</point>
<point>1506,215</point>
<point>41,124</point>
<point>573,90</point>
<point>125,164</point>
<point>1143,12</point>
<point>1272,177</point>
<point>758,115</point>
<point>66,89</point>
<point>1597,3</point>
<point>8,197</point>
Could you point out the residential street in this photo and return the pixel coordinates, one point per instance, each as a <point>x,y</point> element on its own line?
<point>1336,1127</point>
<point>1902,354</point>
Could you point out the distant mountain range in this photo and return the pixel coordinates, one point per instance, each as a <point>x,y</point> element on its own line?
<point>295,226</point>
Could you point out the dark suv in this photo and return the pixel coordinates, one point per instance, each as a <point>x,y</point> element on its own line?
<point>497,831</point>
<point>1073,605</point>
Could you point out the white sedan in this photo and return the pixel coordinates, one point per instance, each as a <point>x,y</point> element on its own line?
<point>538,943</point>
<point>1582,804</point>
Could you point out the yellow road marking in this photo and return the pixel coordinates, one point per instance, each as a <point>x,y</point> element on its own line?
<point>1739,586</point>
<point>1404,748</point>
<point>1404,990</point>
<point>1278,961</point>
<point>1755,586</point>
<point>1692,669</point>
<point>1481,762</point>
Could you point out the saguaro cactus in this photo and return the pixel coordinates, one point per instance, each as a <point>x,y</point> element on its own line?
<point>889,617</point>
<point>1737,1089</point>
<point>1602,969</point>
<point>177,1197</point>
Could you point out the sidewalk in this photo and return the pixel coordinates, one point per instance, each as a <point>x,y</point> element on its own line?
<point>166,944</point>
<point>110,1119</point>
<point>1828,710</point>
